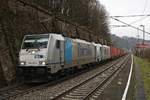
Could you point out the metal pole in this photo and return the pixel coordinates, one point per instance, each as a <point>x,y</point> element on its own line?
<point>136,48</point>
<point>143,39</point>
<point>143,33</point>
<point>138,36</point>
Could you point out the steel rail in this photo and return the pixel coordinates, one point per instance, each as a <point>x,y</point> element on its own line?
<point>18,90</point>
<point>80,84</point>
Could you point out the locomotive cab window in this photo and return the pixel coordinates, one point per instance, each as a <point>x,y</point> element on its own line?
<point>58,44</point>
<point>35,41</point>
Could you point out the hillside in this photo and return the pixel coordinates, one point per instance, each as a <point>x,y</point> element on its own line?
<point>21,17</point>
<point>125,42</point>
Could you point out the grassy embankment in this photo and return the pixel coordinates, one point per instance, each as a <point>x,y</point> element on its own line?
<point>145,71</point>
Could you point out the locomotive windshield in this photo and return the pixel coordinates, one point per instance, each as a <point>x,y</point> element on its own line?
<point>35,42</point>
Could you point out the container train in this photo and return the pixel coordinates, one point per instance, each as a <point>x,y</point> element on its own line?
<point>44,55</point>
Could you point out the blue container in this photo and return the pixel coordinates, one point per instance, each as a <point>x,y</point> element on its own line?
<point>68,51</point>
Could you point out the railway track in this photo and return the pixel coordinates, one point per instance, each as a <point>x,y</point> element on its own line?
<point>92,87</point>
<point>12,90</point>
<point>58,90</point>
<point>55,88</point>
<point>20,89</point>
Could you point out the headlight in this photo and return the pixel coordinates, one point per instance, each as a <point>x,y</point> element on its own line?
<point>33,52</point>
<point>42,63</point>
<point>22,63</point>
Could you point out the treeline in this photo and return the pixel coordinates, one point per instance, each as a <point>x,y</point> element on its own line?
<point>144,53</point>
<point>18,18</point>
<point>147,53</point>
<point>89,13</point>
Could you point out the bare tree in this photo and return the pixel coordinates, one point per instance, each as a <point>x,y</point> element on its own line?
<point>88,13</point>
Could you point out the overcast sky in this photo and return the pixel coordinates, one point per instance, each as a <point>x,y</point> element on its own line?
<point>128,7</point>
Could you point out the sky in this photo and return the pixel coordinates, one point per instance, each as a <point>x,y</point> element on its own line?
<point>128,7</point>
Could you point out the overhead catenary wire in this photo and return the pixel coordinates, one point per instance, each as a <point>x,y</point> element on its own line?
<point>145,6</point>
<point>133,15</point>
<point>138,20</point>
<point>113,17</point>
<point>129,25</point>
<point>131,22</point>
<point>144,9</point>
<point>118,25</point>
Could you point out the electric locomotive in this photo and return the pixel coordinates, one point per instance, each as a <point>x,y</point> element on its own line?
<point>43,56</point>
